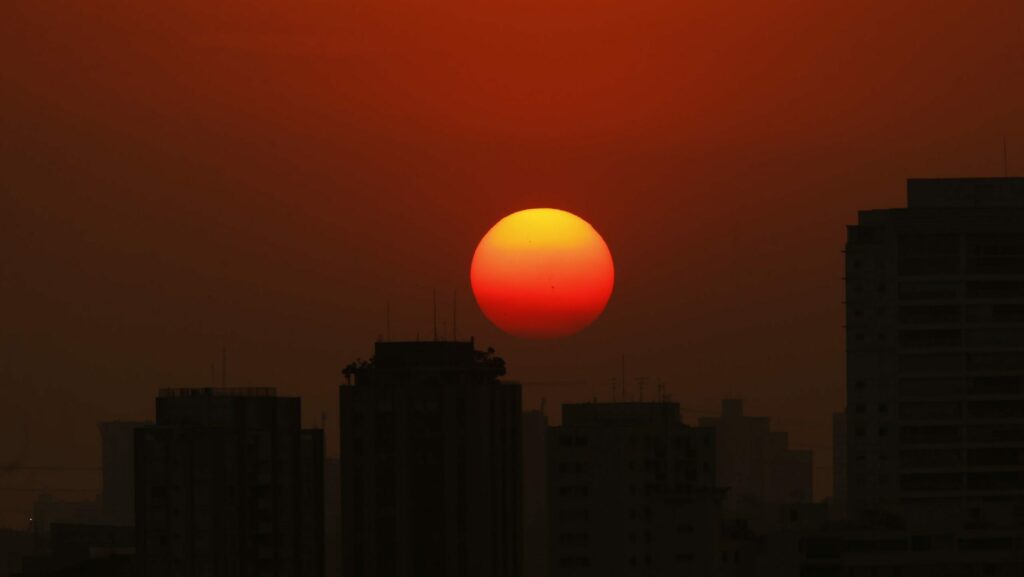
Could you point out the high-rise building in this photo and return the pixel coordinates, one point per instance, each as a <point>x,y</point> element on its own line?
<point>757,466</point>
<point>535,493</point>
<point>839,493</point>
<point>332,517</point>
<point>631,491</point>
<point>228,483</point>
<point>117,499</point>
<point>935,352</point>
<point>430,464</point>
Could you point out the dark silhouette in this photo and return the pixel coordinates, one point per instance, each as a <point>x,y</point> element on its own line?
<point>762,473</point>
<point>933,433</point>
<point>117,500</point>
<point>631,490</point>
<point>229,484</point>
<point>430,464</point>
<point>535,506</point>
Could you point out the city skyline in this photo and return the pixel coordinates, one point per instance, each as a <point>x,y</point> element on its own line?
<point>268,184</point>
<point>793,225</point>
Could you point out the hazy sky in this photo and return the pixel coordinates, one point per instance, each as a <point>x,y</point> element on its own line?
<point>178,176</point>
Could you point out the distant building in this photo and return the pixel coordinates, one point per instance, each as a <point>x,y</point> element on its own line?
<point>117,501</point>
<point>757,466</point>
<point>632,492</point>
<point>935,353</point>
<point>869,549</point>
<point>332,517</point>
<point>14,547</point>
<point>535,497</point>
<point>76,550</point>
<point>229,484</point>
<point>46,511</point>
<point>431,474</point>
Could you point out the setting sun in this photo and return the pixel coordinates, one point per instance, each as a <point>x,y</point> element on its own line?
<point>542,273</point>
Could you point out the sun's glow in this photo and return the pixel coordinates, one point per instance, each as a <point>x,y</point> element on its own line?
<point>542,273</point>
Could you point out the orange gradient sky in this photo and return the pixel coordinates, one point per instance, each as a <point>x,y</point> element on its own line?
<point>178,176</point>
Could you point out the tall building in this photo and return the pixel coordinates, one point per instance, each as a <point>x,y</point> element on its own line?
<point>935,352</point>
<point>839,492</point>
<point>332,517</point>
<point>757,466</point>
<point>117,500</point>
<point>631,491</point>
<point>227,483</point>
<point>430,464</point>
<point>535,493</point>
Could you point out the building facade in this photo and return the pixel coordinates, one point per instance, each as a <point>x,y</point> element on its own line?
<point>117,499</point>
<point>431,464</point>
<point>631,491</point>
<point>228,484</point>
<point>535,493</point>
<point>935,353</point>
<point>757,466</point>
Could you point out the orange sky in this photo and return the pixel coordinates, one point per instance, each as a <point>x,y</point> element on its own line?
<point>179,175</point>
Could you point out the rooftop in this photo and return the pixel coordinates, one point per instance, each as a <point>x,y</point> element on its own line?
<point>428,356</point>
<point>218,392</point>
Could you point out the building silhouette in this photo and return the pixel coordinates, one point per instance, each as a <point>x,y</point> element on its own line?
<point>117,500</point>
<point>332,517</point>
<point>757,466</point>
<point>631,490</point>
<point>935,354</point>
<point>535,493</point>
<point>228,484</point>
<point>839,448</point>
<point>48,510</point>
<point>76,550</point>
<point>430,463</point>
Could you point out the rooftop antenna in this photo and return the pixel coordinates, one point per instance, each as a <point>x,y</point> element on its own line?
<point>224,366</point>
<point>435,314</point>
<point>455,335</point>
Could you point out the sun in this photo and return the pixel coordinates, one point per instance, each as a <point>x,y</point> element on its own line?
<point>542,273</point>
